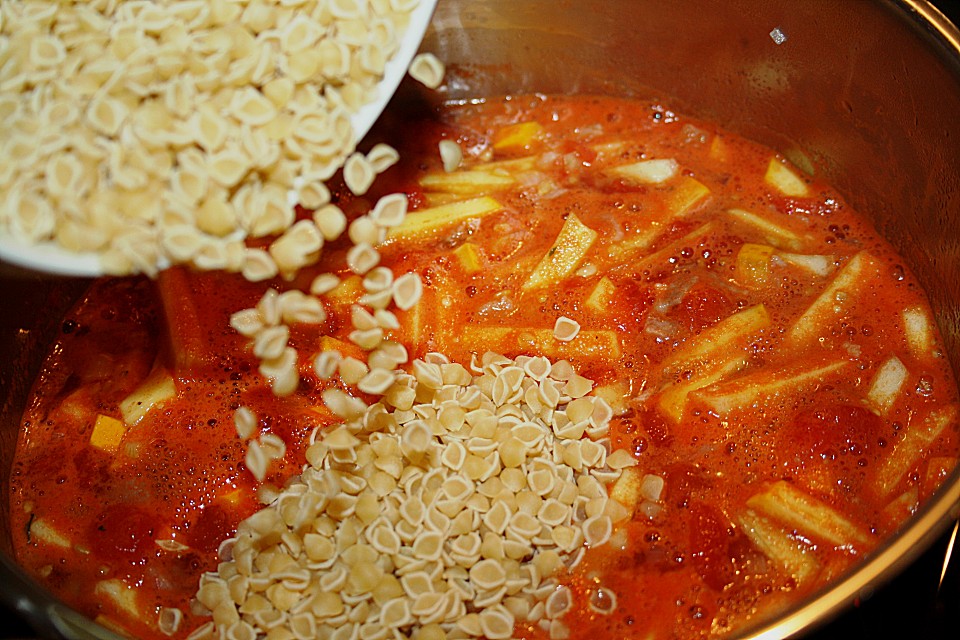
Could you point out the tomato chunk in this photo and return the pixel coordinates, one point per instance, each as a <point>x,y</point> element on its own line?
<point>833,430</point>
<point>123,531</point>
<point>710,539</point>
<point>213,525</point>
<point>701,307</point>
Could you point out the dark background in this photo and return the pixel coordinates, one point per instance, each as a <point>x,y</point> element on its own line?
<point>914,605</point>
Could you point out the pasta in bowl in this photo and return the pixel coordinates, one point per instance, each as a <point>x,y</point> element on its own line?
<point>476,219</point>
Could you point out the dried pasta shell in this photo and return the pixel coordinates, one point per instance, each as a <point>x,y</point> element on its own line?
<point>427,69</point>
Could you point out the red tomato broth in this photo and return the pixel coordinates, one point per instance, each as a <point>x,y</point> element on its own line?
<point>690,570</point>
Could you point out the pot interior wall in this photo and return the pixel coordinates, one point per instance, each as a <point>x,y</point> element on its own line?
<point>33,310</point>
<point>33,313</point>
<point>862,92</point>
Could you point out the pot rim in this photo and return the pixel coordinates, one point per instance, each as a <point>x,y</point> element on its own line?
<point>883,564</point>
<point>51,618</point>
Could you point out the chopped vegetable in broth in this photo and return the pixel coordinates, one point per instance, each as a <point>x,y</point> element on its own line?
<point>605,371</point>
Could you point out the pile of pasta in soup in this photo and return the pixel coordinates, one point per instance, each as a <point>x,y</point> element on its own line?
<point>576,367</point>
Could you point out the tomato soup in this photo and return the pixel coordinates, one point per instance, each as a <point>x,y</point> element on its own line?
<point>767,400</point>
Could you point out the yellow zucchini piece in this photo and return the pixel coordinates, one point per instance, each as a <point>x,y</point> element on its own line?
<point>157,388</point>
<point>753,265</point>
<point>886,384</point>
<point>430,221</point>
<point>437,198</point>
<point>107,433</point>
<point>513,340</point>
<point>469,256</point>
<point>685,195</point>
<point>820,265</point>
<point>546,186</point>
<point>121,595</point>
<point>413,321</point>
<point>512,166</point>
<point>902,507</point>
<point>431,318</point>
<point>833,301</point>
<point>718,149</point>
<point>627,263</point>
<point>673,399</point>
<point>466,183</point>
<point>608,149</point>
<point>43,532</point>
<point>616,394</point>
<point>907,453</point>
<point>810,516</point>
<point>76,406</point>
<point>346,349</point>
<point>601,295</point>
<point>348,291</point>
<point>627,249</point>
<point>566,254</point>
<point>938,469</point>
<point>773,234</point>
<point>918,328</point>
<point>738,328</point>
<point>626,489</point>
<point>517,136</point>
<point>755,388</point>
<point>782,178</point>
<point>655,171</point>
<point>773,541</point>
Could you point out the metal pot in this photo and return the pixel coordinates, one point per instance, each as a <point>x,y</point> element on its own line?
<point>866,93</point>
